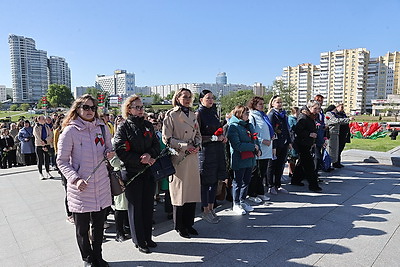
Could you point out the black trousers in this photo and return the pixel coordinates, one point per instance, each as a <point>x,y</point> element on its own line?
<point>258,174</point>
<point>305,168</point>
<point>184,216</point>
<point>6,160</point>
<point>275,167</point>
<point>121,220</point>
<point>140,195</point>
<point>317,158</point>
<point>90,250</point>
<point>30,159</point>
<point>342,144</point>
<point>42,157</point>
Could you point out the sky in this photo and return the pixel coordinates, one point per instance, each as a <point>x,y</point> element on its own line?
<point>187,41</point>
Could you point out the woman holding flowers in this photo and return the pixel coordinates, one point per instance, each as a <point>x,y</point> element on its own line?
<point>265,133</point>
<point>212,155</point>
<point>244,148</point>
<point>181,132</point>
<point>280,144</point>
<point>136,145</point>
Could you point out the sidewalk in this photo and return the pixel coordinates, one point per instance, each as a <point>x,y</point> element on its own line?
<point>353,222</point>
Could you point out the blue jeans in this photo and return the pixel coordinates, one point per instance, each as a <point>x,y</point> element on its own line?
<point>240,184</point>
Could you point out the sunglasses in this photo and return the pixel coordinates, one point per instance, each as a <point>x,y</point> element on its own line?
<point>138,107</point>
<point>87,107</point>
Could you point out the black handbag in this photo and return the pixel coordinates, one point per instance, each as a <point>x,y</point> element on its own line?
<point>163,166</point>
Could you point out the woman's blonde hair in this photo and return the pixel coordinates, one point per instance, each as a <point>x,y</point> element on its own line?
<point>239,110</point>
<point>127,105</point>
<point>271,101</point>
<point>175,101</point>
<point>73,112</point>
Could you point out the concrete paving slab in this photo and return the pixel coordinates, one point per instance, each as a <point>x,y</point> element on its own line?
<point>353,222</point>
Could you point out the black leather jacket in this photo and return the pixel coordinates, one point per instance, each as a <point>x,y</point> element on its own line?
<point>133,138</point>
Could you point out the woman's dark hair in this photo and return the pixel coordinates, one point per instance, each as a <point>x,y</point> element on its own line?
<point>254,101</point>
<point>204,92</point>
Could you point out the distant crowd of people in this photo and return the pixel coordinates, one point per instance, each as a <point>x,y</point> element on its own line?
<point>241,158</point>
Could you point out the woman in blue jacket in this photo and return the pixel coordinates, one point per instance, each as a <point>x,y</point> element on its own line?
<point>244,146</point>
<point>265,133</point>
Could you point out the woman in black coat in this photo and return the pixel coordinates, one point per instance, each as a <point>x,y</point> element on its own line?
<point>280,145</point>
<point>136,145</point>
<point>212,154</point>
<point>306,133</point>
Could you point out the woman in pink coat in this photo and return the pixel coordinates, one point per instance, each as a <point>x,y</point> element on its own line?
<point>81,146</point>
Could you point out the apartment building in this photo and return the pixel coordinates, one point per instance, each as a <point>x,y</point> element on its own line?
<point>32,71</point>
<point>120,83</point>
<point>301,77</point>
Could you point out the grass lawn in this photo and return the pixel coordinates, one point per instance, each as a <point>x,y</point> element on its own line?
<point>15,114</point>
<point>380,144</point>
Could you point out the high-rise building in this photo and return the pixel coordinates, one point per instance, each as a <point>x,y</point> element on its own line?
<point>59,72</point>
<point>258,89</point>
<point>81,90</point>
<point>343,78</point>
<point>121,83</point>
<point>28,69</point>
<point>221,78</point>
<point>32,72</point>
<point>3,93</point>
<point>301,77</point>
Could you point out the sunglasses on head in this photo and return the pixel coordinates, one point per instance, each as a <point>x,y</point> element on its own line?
<point>87,107</point>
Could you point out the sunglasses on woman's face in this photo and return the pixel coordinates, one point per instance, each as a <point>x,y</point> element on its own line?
<point>87,107</point>
<point>138,107</point>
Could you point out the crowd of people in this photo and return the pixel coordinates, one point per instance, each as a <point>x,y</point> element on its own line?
<point>245,153</point>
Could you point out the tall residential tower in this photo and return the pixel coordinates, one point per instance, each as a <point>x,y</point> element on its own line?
<point>32,72</point>
<point>28,69</point>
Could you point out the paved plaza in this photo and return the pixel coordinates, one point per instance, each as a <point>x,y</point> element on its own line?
<point>353,222</point>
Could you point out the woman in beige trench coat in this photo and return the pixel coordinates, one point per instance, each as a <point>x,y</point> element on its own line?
<point>181,132</point>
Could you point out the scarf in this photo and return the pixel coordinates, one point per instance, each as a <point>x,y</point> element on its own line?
<point>268,122</point>
<point>44,132</point>
<point>184,109</point>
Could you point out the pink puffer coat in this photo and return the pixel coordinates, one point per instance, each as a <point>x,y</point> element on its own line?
<point>81,147</point>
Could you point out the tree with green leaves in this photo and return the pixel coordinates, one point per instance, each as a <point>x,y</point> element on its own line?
<point>157,99</point>
<point>24,107</point>
<point>229,101</point>
<point>59,96</point>
<point>93,91</point>
<point>170,95</point>
<point>14,107</point>
<point>285,92</point>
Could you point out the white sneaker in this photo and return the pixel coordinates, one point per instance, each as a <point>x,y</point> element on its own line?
<point>283,190</point>
<point>238,210</point>
<point>272,191</point>
<point>247,207</point>
<point>264,197</point>
<point>41,176</point>
<point>256,199</point>
<point>49,176</point>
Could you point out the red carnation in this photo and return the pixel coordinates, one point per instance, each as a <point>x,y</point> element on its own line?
<point>127,146</point>
<point>327,117</point>
<point>255,136</point>
<point>219,132</point>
